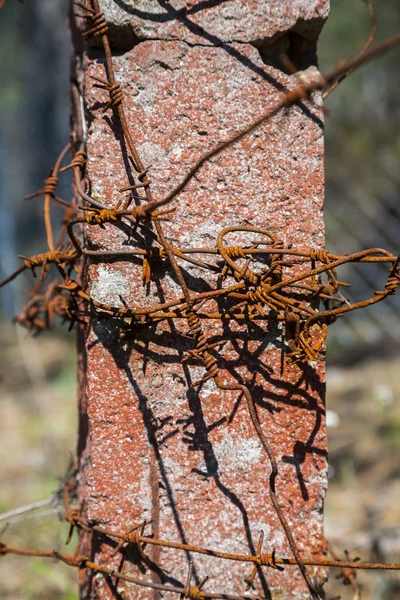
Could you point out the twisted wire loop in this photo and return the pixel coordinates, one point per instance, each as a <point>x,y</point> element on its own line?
<point>235,252</point>
<point>305,347</point>
<point>134,537</point>
<point>274,273</point>
<point>322,255</point>
<point>393,280</point>
<point>232,252</point>
<point>143,211</point>
<point>78,161</point>
<point>246,275</point>
<point>71,286</point>
<point>201,351</point>
<point>190,591</point>
<point>101,216</point>
<point>256,296</point>
<point>39,313</point>
<point>269,560</point>
<point>348,574</point>
<point>261,560</point>
<point>43,259</point>
<point>193,593</point>
<point>114,90</point>
<point>63,305</point>
<point>258,299</point>
<point>116,96</point>
<point>29,318</point>
<point>50,185</point>
<point>71,516</point>
<point>99,26</point>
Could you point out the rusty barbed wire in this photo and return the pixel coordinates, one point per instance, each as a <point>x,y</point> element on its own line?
<point>82,562</point>
<point>286,285</point>
<point>289,99</point>
<point>363,51</point>
<point>348,575</point>
<point>75,519</point>
<point>136,537</point>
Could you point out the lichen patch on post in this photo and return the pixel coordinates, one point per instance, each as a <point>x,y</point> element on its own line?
<point>109,286</point>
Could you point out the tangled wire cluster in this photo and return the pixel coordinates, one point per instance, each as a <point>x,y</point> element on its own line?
<point>263,280</point>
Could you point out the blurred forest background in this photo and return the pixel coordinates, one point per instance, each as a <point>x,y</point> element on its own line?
<point>362,209</point>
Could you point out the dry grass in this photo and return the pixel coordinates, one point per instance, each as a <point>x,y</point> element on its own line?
<point>38,425</point>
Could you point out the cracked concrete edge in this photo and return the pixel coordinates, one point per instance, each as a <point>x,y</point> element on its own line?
<point>267,24</point>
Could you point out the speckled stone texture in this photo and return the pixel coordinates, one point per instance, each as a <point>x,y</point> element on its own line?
<point>212,22</point>
<point>155,448</point>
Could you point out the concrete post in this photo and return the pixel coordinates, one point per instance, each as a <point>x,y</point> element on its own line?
<point>152,447</point>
